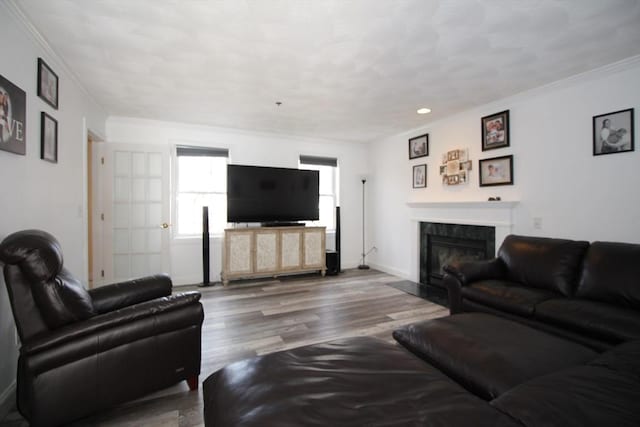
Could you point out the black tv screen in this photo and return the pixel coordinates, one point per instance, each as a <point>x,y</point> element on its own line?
<point>264,194</point>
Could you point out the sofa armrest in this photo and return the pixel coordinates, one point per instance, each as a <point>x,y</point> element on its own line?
<point>110,321</point>
<point>461,273</point>
<point>118,295</point>
<point>472,271</point>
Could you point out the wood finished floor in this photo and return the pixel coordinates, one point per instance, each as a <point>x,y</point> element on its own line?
<point>253,318</point>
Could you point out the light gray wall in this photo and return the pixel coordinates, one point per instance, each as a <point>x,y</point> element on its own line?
<point>35,193</point>
<point>252,148</point>
<point>557,178</point>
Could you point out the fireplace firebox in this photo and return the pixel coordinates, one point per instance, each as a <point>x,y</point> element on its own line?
<point>441,244</point>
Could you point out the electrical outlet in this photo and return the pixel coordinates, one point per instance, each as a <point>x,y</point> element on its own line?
<point>537,223</point>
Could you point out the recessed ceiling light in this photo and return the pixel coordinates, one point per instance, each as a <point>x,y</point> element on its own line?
<point>424,111</point>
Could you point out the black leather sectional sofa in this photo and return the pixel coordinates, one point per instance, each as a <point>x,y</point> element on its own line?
<point>589,293</point>
<point>502,364</point>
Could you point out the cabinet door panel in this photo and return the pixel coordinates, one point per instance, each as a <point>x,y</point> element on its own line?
<point>266,252</point>
<point>290,250</point>
<point>313,249</point>
<point>239,253</point>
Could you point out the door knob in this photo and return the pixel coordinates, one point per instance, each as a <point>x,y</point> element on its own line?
<point>164,225</point>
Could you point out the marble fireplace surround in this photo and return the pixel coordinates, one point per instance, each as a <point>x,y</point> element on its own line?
<point>494,214</point>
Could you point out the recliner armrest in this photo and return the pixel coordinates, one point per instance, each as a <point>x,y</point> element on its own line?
<point>118,295</point>
<point>112,320</point>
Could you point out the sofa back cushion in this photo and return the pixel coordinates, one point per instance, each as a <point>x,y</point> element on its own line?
<point>611,273</point>
<point>58,296</point>
<point>62,300</point>
<point>544,263</point>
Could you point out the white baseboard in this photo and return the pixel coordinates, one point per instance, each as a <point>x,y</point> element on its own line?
<point>7,400</point>
<point>390,270</point>
<point>192,280</point>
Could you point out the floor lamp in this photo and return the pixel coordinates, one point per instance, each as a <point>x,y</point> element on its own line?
<point>363,266</point>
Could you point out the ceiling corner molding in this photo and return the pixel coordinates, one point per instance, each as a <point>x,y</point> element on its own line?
<point>25,23</point>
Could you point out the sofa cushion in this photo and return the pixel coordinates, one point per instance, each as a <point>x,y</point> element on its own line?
<point>543,263</point>
<point>350,382</point>
<point>624,358</point>
<point>581,396</point>
<point>507,296</point>
<point>611,273</point>
<point>604,392</point>
<point>608,322</point>
<point>487,354</point>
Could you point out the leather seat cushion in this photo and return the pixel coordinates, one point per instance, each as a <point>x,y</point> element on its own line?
<point>603,393</point>
<point>507,296</point>
<point>487,354</point>
<point>609,322</point>
<point>351,382</point>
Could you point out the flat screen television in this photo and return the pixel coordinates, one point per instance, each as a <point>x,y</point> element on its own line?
<point>271,195</point>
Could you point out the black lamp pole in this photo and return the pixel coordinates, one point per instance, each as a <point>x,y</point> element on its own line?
<point>363,266</point>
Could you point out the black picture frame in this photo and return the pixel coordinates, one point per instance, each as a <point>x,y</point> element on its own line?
<point>13,118</point>
<point>420,176</point>
<point>496,171</point>
<point>419,146</point>
<point>619,129</point>
<point>48,138</point>
<point>48,84</point>
<point>495,131</point>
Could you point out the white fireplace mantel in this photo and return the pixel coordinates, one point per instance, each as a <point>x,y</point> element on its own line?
<point>465,204</point>
<point>498,214</point>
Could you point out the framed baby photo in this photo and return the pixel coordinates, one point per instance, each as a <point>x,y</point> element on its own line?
<point>495,131</point>
<point>48,138</point>
<point>613,132</point>
<point>420,176</point>
<point>496,171</point>
<point>419,146</point>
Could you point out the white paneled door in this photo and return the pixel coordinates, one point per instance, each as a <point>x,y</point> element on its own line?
<point>137,227</point>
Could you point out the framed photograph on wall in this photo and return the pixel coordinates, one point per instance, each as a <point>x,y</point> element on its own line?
<point>495,131</point>
<point>420,176</point>
<point>419,146</point>
<point>48,138</point>
<point>613,132</point>
<point>47,84</point>
<point>13,118</point>
<point>496,171</point>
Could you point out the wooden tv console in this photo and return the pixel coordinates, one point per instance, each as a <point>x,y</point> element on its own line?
<point>272,251</point>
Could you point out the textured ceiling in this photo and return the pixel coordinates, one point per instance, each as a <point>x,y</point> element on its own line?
<point>344,69</point>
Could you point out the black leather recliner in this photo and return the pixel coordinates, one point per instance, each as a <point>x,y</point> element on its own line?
<point>83,351</point>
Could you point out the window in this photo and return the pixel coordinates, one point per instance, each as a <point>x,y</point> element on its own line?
<point>201,180</point>
<point>328,168</point>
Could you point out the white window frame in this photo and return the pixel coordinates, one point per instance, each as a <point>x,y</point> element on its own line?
<point>305,161</point>
<point>197,151</point>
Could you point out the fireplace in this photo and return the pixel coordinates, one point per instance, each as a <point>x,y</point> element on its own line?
<point>441,244</point>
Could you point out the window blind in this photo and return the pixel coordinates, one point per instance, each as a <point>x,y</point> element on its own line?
<point>319,161</point>
<point>192,151</point>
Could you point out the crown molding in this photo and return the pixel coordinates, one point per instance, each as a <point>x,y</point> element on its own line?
<point>197,127</point>
<point>573,80</point>
<point>27,26</point>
